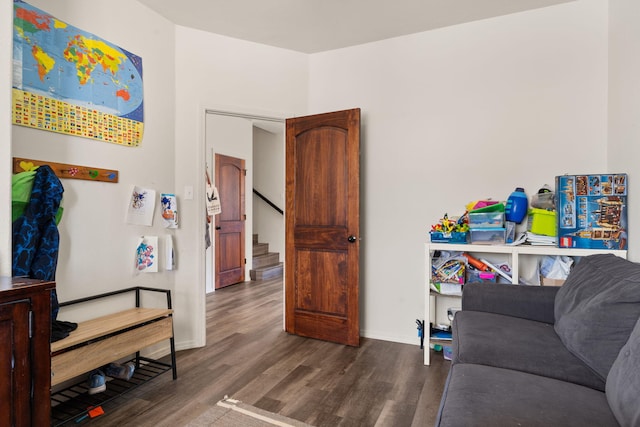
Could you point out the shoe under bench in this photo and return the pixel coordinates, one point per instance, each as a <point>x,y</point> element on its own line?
<point>100,341</point>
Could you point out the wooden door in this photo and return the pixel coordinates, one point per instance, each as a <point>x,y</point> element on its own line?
<point>322,226</point>
<point>15,364</point>
<point>229,224</point>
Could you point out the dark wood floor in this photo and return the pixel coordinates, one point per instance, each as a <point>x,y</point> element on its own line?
<point>249,357</point>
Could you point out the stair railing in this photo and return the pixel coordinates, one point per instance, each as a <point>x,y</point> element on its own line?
<point>269,202</point>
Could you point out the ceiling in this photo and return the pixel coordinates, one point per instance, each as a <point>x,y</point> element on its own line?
<point>312,26</point>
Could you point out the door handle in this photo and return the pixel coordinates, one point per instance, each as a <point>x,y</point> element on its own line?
<point>352,239</point>
<point>218,227</point>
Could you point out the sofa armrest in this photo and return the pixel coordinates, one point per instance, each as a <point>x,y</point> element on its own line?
<point>527,302</point>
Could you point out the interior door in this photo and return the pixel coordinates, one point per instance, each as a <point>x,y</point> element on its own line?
<point>229,224</point>
<point>322,226</point>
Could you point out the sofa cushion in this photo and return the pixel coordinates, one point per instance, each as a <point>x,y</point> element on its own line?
<point>527,302</point>
<point>597,308</point>
<point>623,382</point>
<point>478,395</point>
<point>520,344</point>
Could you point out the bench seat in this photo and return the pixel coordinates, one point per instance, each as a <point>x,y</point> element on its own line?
<point>104,339</point>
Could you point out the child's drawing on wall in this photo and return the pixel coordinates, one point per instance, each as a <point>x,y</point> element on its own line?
<point>146,255</point>
<point>141,206</point>
<point>169,210</point>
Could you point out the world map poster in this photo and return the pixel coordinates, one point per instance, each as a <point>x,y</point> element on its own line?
<point>70,81</point>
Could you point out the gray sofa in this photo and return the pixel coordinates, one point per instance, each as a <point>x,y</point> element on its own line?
<point>547,356</point>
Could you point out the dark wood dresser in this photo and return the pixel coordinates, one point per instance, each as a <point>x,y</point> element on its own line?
<point>25,358</point>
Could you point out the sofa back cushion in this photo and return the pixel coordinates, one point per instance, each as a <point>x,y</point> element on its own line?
<point>597,308</point>
<point>623,382</point>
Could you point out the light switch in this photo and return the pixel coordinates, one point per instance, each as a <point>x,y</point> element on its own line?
<point>188,192</point>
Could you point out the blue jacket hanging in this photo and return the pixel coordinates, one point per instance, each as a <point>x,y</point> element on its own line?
<point>35,233</point>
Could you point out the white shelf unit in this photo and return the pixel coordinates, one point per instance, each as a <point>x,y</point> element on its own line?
<point>516,257</point>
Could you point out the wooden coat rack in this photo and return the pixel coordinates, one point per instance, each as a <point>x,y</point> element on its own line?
<point>63,170</point>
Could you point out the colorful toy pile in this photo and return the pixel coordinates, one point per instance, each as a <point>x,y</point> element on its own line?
<point>450,230</point>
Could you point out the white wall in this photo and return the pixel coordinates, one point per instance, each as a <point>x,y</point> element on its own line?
<point>455,115</point>
<point>624,104</point>
<point>6,41</point>
<point>225,74</point>
<point>269,167</point>
<point>97,247</point>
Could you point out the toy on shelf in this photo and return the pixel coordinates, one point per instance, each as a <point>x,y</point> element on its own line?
<point>448,270</point>
<point>484,206</point>
<point>450,230</point>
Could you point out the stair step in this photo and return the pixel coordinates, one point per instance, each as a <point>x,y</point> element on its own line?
<point>266,265</point>
<point>260,249</point>
<point>268,272</point>
<point>270,258</point>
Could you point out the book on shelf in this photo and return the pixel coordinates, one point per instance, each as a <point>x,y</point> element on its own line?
<point>539,239</point>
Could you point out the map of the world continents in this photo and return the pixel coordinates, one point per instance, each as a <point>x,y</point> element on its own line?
<point>70,81</point>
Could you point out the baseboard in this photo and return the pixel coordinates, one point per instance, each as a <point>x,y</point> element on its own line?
<point>415,340</point>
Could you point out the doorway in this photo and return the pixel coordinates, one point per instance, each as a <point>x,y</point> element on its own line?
<point>260,141</point>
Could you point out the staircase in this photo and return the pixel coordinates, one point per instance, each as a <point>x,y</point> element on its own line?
<point>266,265</point>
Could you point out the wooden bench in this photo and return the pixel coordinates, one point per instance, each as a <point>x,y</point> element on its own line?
<point>102,340</point>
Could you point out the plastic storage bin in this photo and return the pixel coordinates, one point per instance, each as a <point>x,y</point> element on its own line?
<point>453,237</point>
<point>447,352</point>
<point>487,236</point>
<point>477,276</point>
<point>486,219</point>
<point>542,221</point>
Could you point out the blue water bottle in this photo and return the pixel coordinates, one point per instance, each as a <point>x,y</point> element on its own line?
<point>516,209</point>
